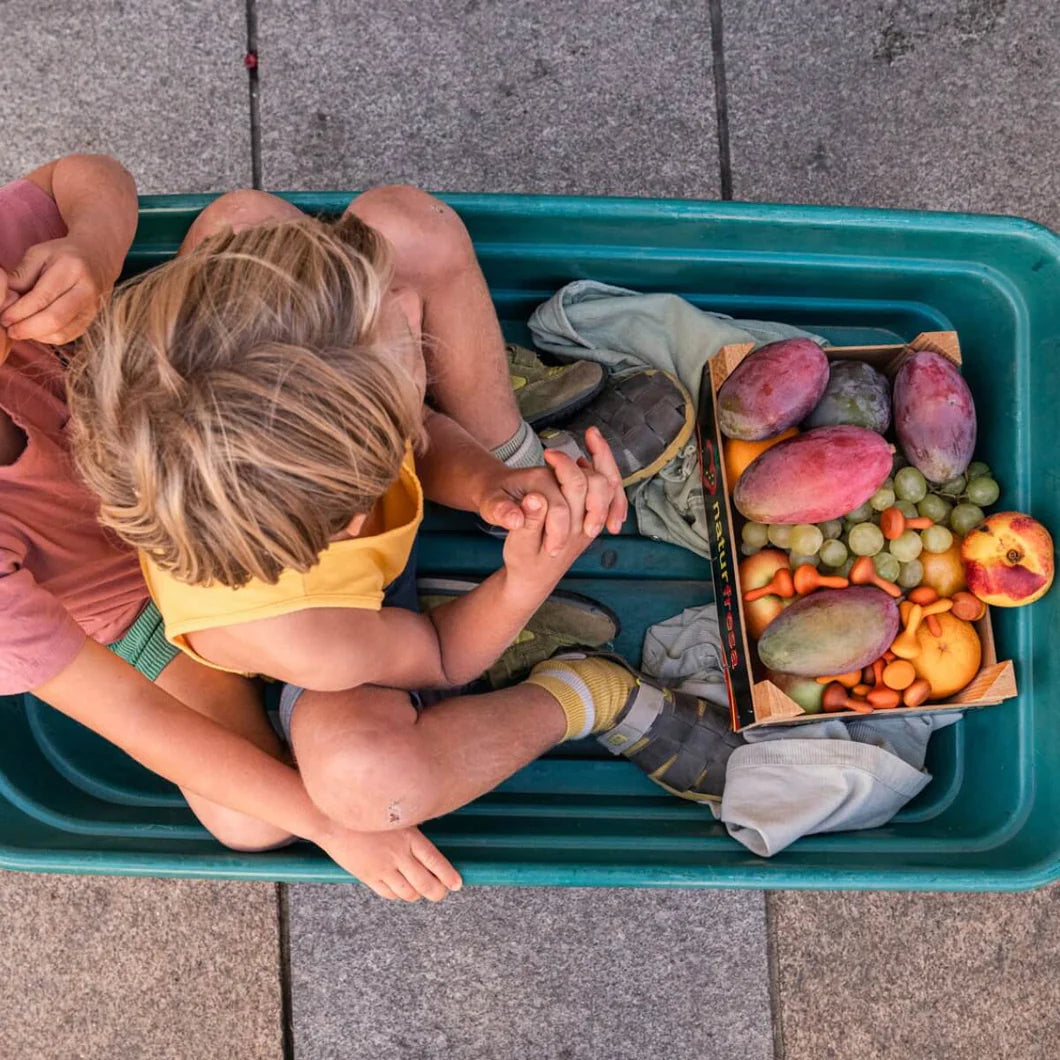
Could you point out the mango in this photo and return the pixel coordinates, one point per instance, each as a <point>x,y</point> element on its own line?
<point>830,632</point>
<point>772,389</point>
<point>856,394</point>
<point>816,476</point>
<point>807,692</point>
<point>934,416</point>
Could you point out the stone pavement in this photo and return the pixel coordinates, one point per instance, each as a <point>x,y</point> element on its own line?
<point>946,105</point>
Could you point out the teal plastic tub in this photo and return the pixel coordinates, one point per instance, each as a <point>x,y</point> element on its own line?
<point>71,803</point>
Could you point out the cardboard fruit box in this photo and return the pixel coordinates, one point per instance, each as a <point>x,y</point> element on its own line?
<point>753,700</point>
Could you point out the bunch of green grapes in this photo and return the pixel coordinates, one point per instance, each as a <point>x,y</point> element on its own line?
<point>957,505</point>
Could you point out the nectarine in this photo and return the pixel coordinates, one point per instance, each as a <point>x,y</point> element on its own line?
<point>756,571</point>
<point>1008,560</point>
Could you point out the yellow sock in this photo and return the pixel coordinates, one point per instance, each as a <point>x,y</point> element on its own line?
<point>592,692</point>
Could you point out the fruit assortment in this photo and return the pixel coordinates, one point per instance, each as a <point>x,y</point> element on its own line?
<point>868,556</point>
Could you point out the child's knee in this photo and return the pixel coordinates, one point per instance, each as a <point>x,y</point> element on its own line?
<point>428,236</point>
<point>376,785</point>
<point>238,210</point>
<point>237,831</point>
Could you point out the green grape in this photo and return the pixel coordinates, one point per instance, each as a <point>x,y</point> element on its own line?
<point>748,549</point>
<point>911,574</point>
<point>833,552</point>
<point>935,508</point>
<point>977,469</point>
<point>798,559</point>
<point>907,508</point>
<point>936,539</point>
<point>780,534</point>
<point>907,546</point>
<point>861,514</point>
<point>983,491</point>
<point>954,487</point>
<point>844,568</point>
<point>886,566</point>
<point>910,485</point>
<point>881,499</point>
<point>966,517</point>
<point>866,539</point>
<point>831,529</point>
<point>756,534</point>
<point>806,538</point>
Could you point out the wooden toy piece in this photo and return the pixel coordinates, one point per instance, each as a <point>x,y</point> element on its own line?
<point>889,656</point>
<point>861,689</point>
<point>807,578</point>
<point>899,674</point>
<point>905,645</point>
<point>894,523</point>
<point>934,609</point>
<point>835,699</point>
<point>847,680</point>
<point>864,573</point>
<point>923,595</point>
<point>916,693</point>
<point>967,606</point>
<point>880,696</point>
<point>781,585</point>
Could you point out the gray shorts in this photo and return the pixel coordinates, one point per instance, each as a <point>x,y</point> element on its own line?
<point>401,592</point>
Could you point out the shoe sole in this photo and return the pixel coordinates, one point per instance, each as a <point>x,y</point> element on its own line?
<point>459,586</point>
<point>551,417</point>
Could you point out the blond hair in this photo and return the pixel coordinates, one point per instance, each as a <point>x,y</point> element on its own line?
<point>234,409</point>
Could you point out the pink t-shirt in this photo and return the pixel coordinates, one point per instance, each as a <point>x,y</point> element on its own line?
<point>62,577</point>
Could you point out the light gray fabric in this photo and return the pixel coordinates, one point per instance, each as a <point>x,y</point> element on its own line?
<point>825,776</point>
<point>625,329</point>
<point>684,653</point>
<point>829,776</point>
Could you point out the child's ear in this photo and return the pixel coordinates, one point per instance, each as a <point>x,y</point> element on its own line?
<point>356,525</point>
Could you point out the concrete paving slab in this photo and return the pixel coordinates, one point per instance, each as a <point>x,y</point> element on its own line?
<point>929,104</point>
<point>564,96</point>
<point>529,974</point>
<point>881,976</point>
<point>93,968</point>
<point>159,85</point>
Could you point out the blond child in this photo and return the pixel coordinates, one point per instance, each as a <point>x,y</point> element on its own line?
<point>76,623</point>
<point>251,418</point>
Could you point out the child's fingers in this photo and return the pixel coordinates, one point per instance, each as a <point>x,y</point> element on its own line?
<point>597,504</point>
<point>381,889</point>
<point>436,862</point>
<point>604,462</point>
<point>501,510</point>
<point>38,285</point>
<point>425,883</point>
<point>401,887</point>
<point>61,322</point>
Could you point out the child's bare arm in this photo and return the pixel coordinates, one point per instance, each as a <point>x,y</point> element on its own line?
<point>332,649</point>
<point>103,692</point>
<point>61,283</point>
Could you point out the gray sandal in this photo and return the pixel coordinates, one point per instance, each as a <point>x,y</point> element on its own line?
<point>645,415</point>
<point>682,742</point>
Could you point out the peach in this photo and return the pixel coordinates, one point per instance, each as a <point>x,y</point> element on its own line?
<point>1008,560</point>
<point>756,571</point>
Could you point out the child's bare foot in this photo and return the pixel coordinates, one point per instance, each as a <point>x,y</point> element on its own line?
<point>401,864</point>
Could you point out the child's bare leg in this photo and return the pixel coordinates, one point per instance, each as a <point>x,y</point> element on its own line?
<point>234,702</point>
<point>435,260</point>
<point>370,762</point>
<point>238,210</point>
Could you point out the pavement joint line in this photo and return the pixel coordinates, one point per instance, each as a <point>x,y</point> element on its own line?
<point>721,97</point>
<point>283,913</point>
<point>253,86</point>
<point>776,996</point>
